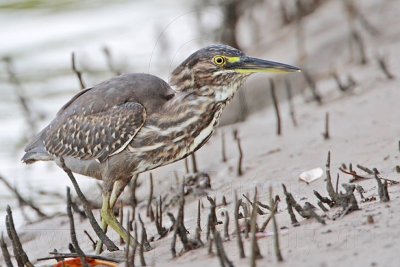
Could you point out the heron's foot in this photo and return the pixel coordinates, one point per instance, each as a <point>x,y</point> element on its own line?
<point>108,218</point>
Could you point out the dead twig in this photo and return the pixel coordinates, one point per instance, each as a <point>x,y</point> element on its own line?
<point>226,225</point>
<point>223,149</point>
<point>382,189</point>
<point>276,107</point>
<point>109,59</point>
<point>326,134</point>
<point>223,258</point>
<point>255,250</point>
<point>91,239</point>
<point>289,206</point>
<point>384,67</point>
<point>4,250</point>
<point>20,94</point>
<point>313,87</point>
<point>77,72</point>
<point>359,41</point>
<point>273,211</point>
<point>144,234</point>
<point>19,253</point>
<point>21,200</point>
<point>141,247</point>
<point>149,210</point>
<point>240,161</point>
<point>290,102</point>
<point>194,162</point>
<point>74,240</point>
<point>133,201</point>
<point>276,233</point>
<point>237,227</point>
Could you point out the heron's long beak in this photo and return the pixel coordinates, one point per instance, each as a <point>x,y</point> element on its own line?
<point>253,65</point>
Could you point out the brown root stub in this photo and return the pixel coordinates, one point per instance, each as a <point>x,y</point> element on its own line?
<point>276,107</point>
<point>307,212</point>
<point>255,249</point>
<point>289,201</point>
<point>382,189</point>
<point>20,255</point>
<point>237,227</point>
<point>276,232</point>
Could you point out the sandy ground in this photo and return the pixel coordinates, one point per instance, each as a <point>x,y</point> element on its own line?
<point>364,130</point>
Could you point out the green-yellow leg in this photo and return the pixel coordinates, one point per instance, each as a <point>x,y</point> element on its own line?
<point>107,209</point>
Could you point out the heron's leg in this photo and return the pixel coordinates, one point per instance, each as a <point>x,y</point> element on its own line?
<point>108,216</point>
<point>118,188</point>
<point>110,197</point>
<point>107,189</point>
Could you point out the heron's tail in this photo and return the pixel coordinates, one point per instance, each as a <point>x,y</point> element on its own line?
<point>35,151</point>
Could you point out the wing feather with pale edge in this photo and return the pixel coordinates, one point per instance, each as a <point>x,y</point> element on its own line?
<point>96,136</point>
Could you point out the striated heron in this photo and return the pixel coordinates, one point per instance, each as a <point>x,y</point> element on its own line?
<point>137,122</point>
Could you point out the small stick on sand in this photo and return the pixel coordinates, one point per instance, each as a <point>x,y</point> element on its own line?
<point>76,71</point>
<point>144,233</point>
<point>290,101</point>
<point>133,201</point>
<point>141,248</point>
<point>237,227</point>
<point>135,245</point>
<point>223,146</point>
<point>293,218</point>
<point>198,226</point>
<point>384,67</point>
<point>259,211</point>
<point>4,250</point>
<point>223,258</point>
<point>239,165</point>
<point>337,184</point>
<point>322,207</point>
<point>194,162</point>
<point>15,245</point>
<point>365,169</point>
<point>382,189</point>
<point>326,134</point>
<point>74,240</point>
<point>127,258</point>
<point>276,233</point>
<point>356,37</point>
<point>329,186</point>
<point>264,225</point>
<point>90,238</point>
<point>149,210</point>
<point>276,107</point>
<point>313,87</point>
<point>255,250</point>
<point>226,225</point>
<point>121,220</point>
<point>186,165</point>
<point>212,221</point>
<point>342,87</point>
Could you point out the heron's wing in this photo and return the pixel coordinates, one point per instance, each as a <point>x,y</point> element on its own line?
<point>96,135</point>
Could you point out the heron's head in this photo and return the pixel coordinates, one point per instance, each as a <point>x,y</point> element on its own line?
<point>220,70</point>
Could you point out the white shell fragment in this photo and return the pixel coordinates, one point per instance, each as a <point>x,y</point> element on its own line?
<point>311,175</point>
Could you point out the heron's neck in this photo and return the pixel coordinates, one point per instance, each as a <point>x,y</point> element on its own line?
<point>222,89</point>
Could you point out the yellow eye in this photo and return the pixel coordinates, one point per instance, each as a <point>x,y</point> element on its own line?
<point>219,60</point>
